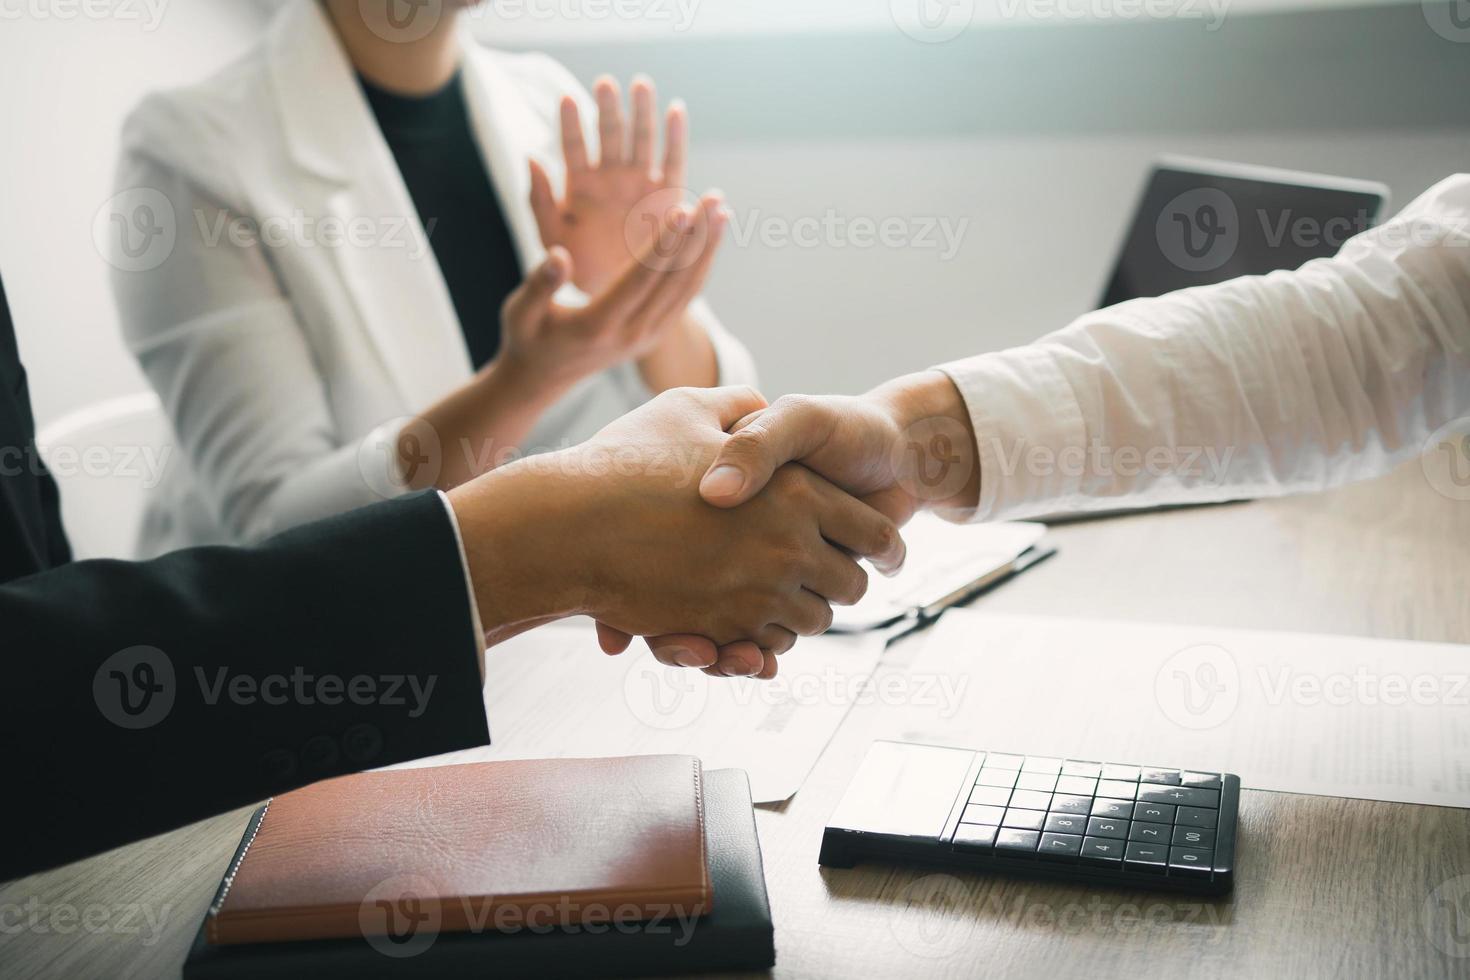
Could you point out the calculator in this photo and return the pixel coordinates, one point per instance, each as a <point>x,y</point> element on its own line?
<point>1095,822</point>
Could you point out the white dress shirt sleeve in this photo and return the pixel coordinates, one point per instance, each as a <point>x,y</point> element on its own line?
<point>469,584</point>
<point>1289,382</point>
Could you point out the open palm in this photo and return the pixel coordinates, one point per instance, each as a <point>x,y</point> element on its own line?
<point>613,208</point>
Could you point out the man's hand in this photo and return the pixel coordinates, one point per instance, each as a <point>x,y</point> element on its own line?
<point>557,346</point>
<point>613,206</point>
<point>906,446</point>
<point>615,529</point>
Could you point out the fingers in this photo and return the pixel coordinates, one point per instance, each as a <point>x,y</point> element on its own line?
<point>543,205</point>
<point>645,128</point>
<point>836,576</point>
<point>533,297</point>
<point>851,524</point>
<point>668,249</point>
<point>742,658</point>
<point>676,144</point>
<point>610,121</point>
<point>573,142</point>
<point>612,641</point>
<point>790,430</point>
<point>808,614</point>
<point>683,650</point>
<point>684,284</point>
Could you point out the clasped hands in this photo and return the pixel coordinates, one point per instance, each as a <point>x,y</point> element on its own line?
<point>904,447</point>
<point>717,526</point>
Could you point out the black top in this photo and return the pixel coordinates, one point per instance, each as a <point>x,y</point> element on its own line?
<point>434,146</point>
<point>121,713</point>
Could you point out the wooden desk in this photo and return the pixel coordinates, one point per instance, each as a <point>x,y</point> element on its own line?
<point>1327,888</point>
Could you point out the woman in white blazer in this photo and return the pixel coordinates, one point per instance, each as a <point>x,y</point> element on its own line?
<point>294,319</point>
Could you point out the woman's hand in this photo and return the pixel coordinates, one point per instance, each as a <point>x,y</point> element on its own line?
<point>614,207</point>
<point>559,345</point>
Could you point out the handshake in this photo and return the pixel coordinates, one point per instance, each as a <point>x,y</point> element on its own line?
<point>717,526</point>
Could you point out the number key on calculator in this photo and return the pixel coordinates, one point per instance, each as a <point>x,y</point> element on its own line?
<point>1096,822</point>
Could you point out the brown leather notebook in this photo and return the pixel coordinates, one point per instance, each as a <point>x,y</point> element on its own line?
<point>491,846</point>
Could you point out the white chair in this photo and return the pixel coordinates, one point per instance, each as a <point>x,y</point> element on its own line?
<point>107,458</point>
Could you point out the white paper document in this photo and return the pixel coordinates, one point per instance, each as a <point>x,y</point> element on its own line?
<point>552,693</point>
<point>943,558</point>
<point>1291,712</point>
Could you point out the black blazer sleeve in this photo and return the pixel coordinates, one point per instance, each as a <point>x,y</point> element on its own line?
<point>138,697</point>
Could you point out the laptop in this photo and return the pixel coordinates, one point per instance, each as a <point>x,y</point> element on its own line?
<point>1205,221</point>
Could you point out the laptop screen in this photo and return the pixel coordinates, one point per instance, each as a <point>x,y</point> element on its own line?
<point>1204,223</point>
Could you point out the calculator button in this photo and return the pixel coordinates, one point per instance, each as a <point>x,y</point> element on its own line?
<point>1149,812</point>
<point>1061,803</point>
<point>1163,777</point>
<point>1106,827</point>
<point>1037,781</point>
<point>1147,858</point>
<point>983,814</point>
<point>1111,808</point>
<point>1116,789</point>
<point>1189,862</point>
<point>1036,763</point>
<point>997,777</point>
<point>1071,767</point>
<point>1016,843</point>
<point>1078,785</point>
<point>1102,850</point>
<point>1128,774</point>
<point>1030,799</point>
<point>998,760</point>
<point>990,795</point>
<point>974,837</point>
<point>1149,833</point>
<point>1204,780</point>
<point>1023,819</point>
<point>1180,795</point>
<point>1193,816</point>
<point>1065,823</point>
<point>1059,847</point>
<point>1194,837</point>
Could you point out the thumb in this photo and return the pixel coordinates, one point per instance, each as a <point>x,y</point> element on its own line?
<point>533,296</point>
<point>789,430</point>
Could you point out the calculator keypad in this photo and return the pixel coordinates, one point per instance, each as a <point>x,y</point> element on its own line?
<point>1145,820</point>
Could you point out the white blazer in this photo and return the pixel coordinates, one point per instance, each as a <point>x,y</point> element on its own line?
<point>299,315</point>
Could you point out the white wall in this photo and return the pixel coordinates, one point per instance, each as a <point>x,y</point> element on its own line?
<point>69,81</point>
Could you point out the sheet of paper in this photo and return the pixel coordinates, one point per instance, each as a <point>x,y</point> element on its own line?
<point>942,558</point>
<point>552,693</point>
<point>1296,713</point>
